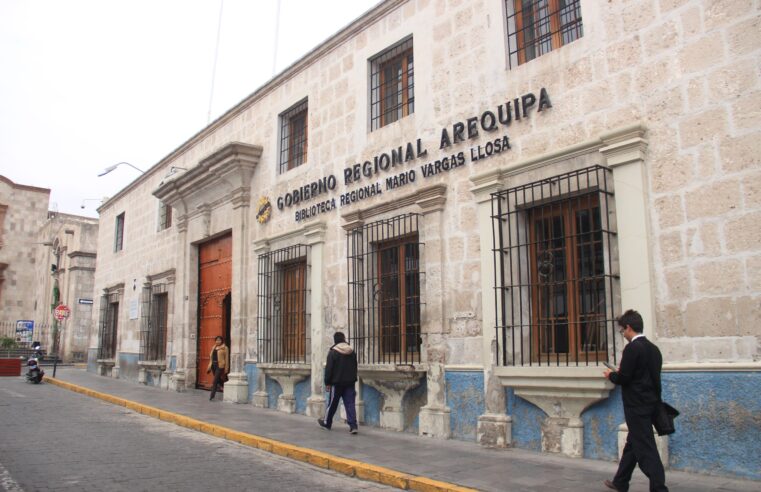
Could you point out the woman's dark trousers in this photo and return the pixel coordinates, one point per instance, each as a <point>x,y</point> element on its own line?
<point>218,373</point>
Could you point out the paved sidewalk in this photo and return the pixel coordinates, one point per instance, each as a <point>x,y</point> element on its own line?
<point>456,462</point>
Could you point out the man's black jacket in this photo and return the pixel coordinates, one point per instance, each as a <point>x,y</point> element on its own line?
<point>640,374</point>
<point>341,367</point>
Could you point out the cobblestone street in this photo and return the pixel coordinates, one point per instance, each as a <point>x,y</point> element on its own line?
<point>57,440</point>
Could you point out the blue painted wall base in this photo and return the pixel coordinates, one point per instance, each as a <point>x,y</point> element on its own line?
<point>717,432</point>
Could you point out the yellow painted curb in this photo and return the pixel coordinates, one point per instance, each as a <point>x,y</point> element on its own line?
<point>352,468</point>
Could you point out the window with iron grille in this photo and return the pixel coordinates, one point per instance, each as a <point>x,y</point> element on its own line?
<point>153,323</point>
<point>109,317</point>
<point>283,319</point>
<point>384,290</point>
<point>536,27</point>
<point>165,216</point>
<point>392,85</point>
<point>119,236</point>
<point>556,270</point>
<point>294,136</point>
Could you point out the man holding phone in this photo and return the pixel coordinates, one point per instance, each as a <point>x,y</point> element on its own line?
<point>640,379</point>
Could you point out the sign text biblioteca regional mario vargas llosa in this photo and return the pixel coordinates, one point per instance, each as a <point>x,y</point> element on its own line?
<point>489,121</point>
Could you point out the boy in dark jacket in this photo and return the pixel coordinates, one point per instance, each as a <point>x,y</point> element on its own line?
<point>340,376</point>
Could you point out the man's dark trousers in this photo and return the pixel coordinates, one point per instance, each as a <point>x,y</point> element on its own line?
<point>640,447</point>
<point>348,394</point>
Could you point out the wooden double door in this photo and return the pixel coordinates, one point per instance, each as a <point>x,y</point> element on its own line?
<point>215,261</point>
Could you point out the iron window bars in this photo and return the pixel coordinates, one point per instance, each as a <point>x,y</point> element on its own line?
<point>384,290</point>
<point>294,136</point>
<point>556,270</point>
<point>392,85</point>
<point>165,216</point>
<point>119,234</point>
<point>109,317</point>
<point>536,27</point>
<point>283,334</point>
<point>153,323</point>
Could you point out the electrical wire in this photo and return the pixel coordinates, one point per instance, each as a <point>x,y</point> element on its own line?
<point>216,54</point>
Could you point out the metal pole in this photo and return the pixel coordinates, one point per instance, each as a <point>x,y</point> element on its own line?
<point>56,332</point>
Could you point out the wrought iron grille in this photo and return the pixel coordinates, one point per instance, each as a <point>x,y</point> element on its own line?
<point>119,233</point>
<point>153,323</point>
<point>392,85</point>
<point>294,136</point>
<point>165,216</point>
<point>556,270</point>
<point>283,321</point>
<point>384,290</point>
<point>109,317</point>
<point>536,27</point>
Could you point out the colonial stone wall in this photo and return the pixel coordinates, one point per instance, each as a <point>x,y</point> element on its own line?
<point>70,243</point>
<point>23,209</point>
<point>678,78</point>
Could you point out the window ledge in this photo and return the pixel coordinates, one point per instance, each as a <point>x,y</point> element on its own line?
<point>559,391</point>
<point>152,364</point>
<point>106,362</point>
<point>271,368</point>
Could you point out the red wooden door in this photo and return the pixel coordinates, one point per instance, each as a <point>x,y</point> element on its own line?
<point>215,281</point>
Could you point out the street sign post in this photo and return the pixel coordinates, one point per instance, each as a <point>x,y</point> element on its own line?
<point>61,312</point>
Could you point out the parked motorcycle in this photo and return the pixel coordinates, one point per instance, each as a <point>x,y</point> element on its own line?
<point>34,372</point>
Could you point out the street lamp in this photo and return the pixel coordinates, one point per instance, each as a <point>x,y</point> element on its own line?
<point>111,168</point>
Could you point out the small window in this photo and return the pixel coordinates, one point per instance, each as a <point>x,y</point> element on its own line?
<point>392,85</point>
<point>153,323</point>
<point>165,216</point>
<point>109,318</point>
<point>536,27</point>
<point>294,137</point>
<point>119,237</point>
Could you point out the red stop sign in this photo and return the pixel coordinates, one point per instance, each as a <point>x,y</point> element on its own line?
<point>61,312</point>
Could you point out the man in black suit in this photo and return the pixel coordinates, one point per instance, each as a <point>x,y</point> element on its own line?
<point>640,378</point>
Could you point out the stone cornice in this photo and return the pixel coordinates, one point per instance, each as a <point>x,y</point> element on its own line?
<point>619,146</point>
<point>167,275</point>
<point>16,186</point>
<point>624,147</point>
<point>82,254</point>
<point>485,184</point>
<point>224,176</point>
<point>313,232</point>
<point>428,198</point>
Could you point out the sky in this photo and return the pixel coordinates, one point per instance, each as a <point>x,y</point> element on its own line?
<point>85,84</point>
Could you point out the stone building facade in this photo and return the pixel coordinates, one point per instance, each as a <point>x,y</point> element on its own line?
<point>65,275</point>
<point>23,210</point>
<point>473,191</point>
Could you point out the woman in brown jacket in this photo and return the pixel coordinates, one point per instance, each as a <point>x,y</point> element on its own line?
<point>219,363</point>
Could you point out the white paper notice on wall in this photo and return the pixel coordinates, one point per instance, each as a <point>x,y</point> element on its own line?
<point>133,309</point>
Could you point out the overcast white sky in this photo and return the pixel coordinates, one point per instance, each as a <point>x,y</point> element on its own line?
<point>85,84</point>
